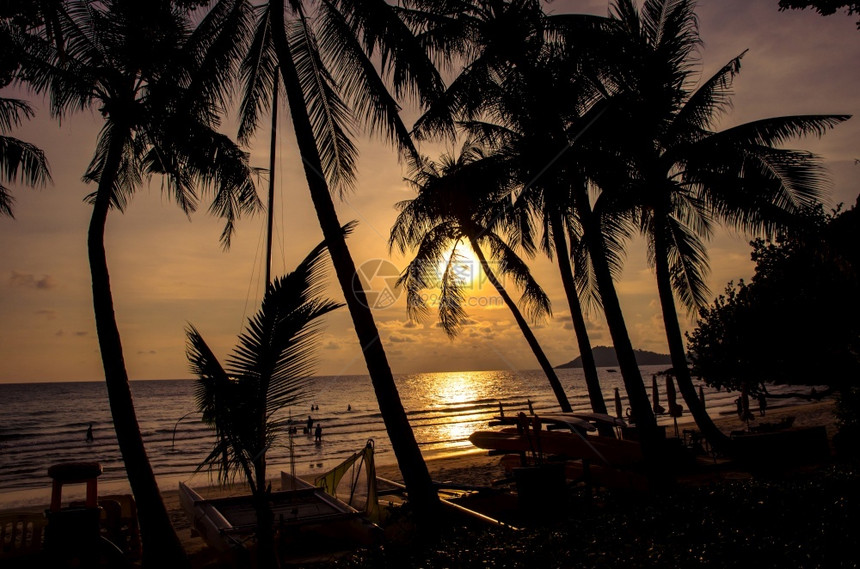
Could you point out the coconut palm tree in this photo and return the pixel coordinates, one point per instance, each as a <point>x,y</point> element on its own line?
<point>684,176</point>
<point>267,372</point>
<point>323,52</point>
<point>459,200</point>
<point>144,69</point>
<point>499,95</point>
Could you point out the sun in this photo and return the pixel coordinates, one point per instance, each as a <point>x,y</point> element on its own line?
<point>466,266</point>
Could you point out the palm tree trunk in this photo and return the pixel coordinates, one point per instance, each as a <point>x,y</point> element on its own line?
<point>273,147</point>
<point>266,554</point>
<point>416,477</point>
<point>526,330</point>
<point>589,367</point>
<point>640,406</point>
<point>161,545</point>
<point>715,437</point>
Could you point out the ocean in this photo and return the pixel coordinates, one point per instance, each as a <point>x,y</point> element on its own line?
<point>45,423</point>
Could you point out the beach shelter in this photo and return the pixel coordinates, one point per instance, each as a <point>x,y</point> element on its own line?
<point>655,397</point>
<point>618,410</point>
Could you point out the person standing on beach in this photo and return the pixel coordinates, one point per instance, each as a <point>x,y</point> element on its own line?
<point>318,433</point>
<point>90,433</point>
<point>309,424</point>
<point>762,404</point>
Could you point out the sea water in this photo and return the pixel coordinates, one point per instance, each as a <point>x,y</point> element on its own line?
<point>45,423</point>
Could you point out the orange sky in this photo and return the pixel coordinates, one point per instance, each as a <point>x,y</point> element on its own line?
<point>167,270</point>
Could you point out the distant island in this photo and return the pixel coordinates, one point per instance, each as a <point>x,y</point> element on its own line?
<point>604,356</point>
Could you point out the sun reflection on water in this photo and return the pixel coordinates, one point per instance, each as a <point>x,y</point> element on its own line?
<point>464,395</point>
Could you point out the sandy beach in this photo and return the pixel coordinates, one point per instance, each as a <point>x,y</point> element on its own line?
<point>479,469</point>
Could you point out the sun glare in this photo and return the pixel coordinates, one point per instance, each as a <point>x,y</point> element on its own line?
<point>466,268</point>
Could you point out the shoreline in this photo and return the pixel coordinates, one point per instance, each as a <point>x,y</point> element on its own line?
<point>474,467</point>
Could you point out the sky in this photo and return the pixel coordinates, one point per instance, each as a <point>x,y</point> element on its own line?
<point>168,270</point>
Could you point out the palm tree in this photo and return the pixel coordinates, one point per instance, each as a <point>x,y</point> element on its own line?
<point>323,51</point>
<point>458,201</point>
<point>145,70</point>
<point>684,176</point>
<point>500,98</point>
<point>267,372</point>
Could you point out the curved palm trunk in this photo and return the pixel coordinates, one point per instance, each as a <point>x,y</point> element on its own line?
<point>715,437</point>
<point>633,384</point>
<point>161,545</point>
<point>526,330</point>
<point>589,367</point>
<point>416,477</point>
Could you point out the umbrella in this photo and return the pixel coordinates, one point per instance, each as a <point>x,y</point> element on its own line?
<point>655,396</point>
<point>674,409</point>
<point>618,404</point>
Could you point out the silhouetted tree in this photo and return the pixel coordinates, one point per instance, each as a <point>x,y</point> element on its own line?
<point>464,199</point>
<point>684,176</point>
<point>144,68</point>
<point>322,51</point>
<point>267,372</point>
<point>797,321</point>
<point>501,98</point>
<point>823,7</point>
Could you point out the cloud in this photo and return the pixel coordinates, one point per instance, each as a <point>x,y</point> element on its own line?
<point>400,339</point>
<point>146,352</point>
<point>48,314</point>
<point>81,334</point>
<point>27,280</point>
<point>331,346</point>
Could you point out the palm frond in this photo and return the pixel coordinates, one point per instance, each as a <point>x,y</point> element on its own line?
<point>534,300</point>
<point>452,315</point>
<point>705,105</point>
<point>776,130</point>
<point>403,58</point>
<point>267,370</point>
<point>24,162</point>
<point>358,80</point>
<point>330,117</point>
<point>12,111</point>
<point>688,266</point>
<point>258,73</point>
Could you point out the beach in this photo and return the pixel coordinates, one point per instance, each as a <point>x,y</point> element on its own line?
<point>480,469</point>
<point>477,468</point>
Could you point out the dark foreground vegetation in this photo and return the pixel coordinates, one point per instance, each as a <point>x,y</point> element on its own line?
<point>806,519</point>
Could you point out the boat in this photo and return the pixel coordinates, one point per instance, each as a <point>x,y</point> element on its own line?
<point>599,450</point>
<point>309,521</point>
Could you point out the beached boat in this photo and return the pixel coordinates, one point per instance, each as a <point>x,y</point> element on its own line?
<point>308,521</point>
<point>599,450</point>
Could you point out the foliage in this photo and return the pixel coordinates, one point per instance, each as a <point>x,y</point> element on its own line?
<point>823,7</point>
<point>797,321</point>
<point>267,371</point>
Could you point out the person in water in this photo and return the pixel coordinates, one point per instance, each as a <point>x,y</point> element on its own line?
<point>90,433</point>
<point>318,433</point>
